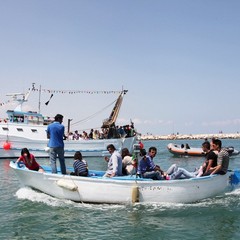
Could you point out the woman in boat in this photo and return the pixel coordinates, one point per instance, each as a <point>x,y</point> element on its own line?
<point>29,160</point>
<point>80,165</point>
<point>128,163</point>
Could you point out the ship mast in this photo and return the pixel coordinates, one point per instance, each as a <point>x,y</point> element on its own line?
<point>114,114</point>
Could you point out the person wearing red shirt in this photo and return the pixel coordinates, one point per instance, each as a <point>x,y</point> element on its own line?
<point>29,160</point>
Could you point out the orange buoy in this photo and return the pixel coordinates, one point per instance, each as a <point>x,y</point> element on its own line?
<point>6,145</point>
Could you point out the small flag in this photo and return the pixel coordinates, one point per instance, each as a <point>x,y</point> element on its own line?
<point>46,103</point>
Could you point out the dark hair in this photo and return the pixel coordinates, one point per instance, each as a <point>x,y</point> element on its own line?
<point>152,148</point>
<point>206,144</point>
<point>143,152</point>
<point>217,142</point>
<point>58,117</point>
<point>77,155</point>
<point>125,152</point>
<point>111,146</point>
<point>25,150</point>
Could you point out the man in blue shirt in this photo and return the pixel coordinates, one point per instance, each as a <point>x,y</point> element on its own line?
<point>55,134</point>
<point>146,167</point>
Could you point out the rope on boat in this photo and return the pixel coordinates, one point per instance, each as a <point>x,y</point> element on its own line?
<point>93,115</point>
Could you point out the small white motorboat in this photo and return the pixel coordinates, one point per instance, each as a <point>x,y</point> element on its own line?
<point>125,189</point>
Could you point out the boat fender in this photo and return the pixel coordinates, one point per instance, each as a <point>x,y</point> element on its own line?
<point>7,145</point>
<point>235,178</point>
<point>135,194</point>
<point>69,185</point>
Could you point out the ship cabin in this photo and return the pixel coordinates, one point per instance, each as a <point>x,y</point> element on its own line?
<point>30,117</point>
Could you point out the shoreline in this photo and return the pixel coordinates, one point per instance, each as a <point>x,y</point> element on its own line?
<point>191,136</point>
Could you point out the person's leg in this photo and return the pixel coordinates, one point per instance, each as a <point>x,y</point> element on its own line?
<point>53,156</point>
<point>173,168</point>
<point>60,152</point>
<point>200,172</point>
<point>181,172</point>
<point>153,175</point>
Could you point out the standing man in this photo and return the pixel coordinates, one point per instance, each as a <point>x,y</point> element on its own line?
<point>114,162</point>
<point>55,134</point>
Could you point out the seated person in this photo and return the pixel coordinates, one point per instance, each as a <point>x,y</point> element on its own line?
<point>187,146</point>
<point>222,159</point>
<point>80,165</point>
<point>29,160</point>
<point>210,161</point>
<point>152,152</point>
<point>146,168</point>
<point>114,162</point>
<point>128,163</point>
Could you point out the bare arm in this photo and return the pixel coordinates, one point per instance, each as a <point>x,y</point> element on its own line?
<point>210,162</point>
<point>216,169</point>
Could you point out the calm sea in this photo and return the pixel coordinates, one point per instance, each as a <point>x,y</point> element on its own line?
<point>28,214</point>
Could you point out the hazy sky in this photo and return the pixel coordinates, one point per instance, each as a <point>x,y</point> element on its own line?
<point>179,59</point>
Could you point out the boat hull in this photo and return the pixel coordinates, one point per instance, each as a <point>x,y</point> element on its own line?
<point>87,147</point>
<point>123,190</point>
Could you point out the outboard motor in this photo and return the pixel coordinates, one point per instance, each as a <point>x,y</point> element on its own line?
<point>230,150</point>
<point>235,178</point>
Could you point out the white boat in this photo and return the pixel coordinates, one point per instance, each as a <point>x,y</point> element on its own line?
<point>182,150</point>
<point>28,129</point>
<point>124,189</point>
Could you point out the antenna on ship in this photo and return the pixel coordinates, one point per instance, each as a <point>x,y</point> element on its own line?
<point>39,99</point>
<point>15,97</point>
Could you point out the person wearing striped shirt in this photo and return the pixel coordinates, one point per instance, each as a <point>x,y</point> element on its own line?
<point>80,165</point>
<point>222,159</point>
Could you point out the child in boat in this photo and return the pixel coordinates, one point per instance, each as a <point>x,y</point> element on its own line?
<point>29,160</point>
<point>80,165</point>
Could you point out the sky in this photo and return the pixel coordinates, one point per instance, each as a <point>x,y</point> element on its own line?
<point>178,59</point>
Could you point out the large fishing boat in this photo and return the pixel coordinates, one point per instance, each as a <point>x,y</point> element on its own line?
<point>28,129</point>
<point>124,189</point>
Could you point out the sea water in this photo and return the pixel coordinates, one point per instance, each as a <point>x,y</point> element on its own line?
<point>29,214</point>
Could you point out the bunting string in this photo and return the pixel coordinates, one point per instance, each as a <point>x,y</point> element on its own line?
<point>4,103</point>
<point>51,91</point>
<point>75,91</point>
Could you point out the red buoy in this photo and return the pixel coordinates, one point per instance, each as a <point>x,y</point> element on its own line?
<point>6,145</point>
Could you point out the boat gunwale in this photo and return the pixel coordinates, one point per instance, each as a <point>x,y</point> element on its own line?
<point>120,179</point>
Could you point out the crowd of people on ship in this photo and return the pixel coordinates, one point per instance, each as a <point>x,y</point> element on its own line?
<point>105,133</point>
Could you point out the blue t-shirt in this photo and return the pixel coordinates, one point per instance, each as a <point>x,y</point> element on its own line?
<point>56,132</point>
<point>145,165</point>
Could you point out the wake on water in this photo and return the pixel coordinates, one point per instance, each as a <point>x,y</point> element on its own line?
<point>39,197</point>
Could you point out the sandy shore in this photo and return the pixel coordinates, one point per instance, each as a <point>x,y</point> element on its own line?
<point>191,136</point>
